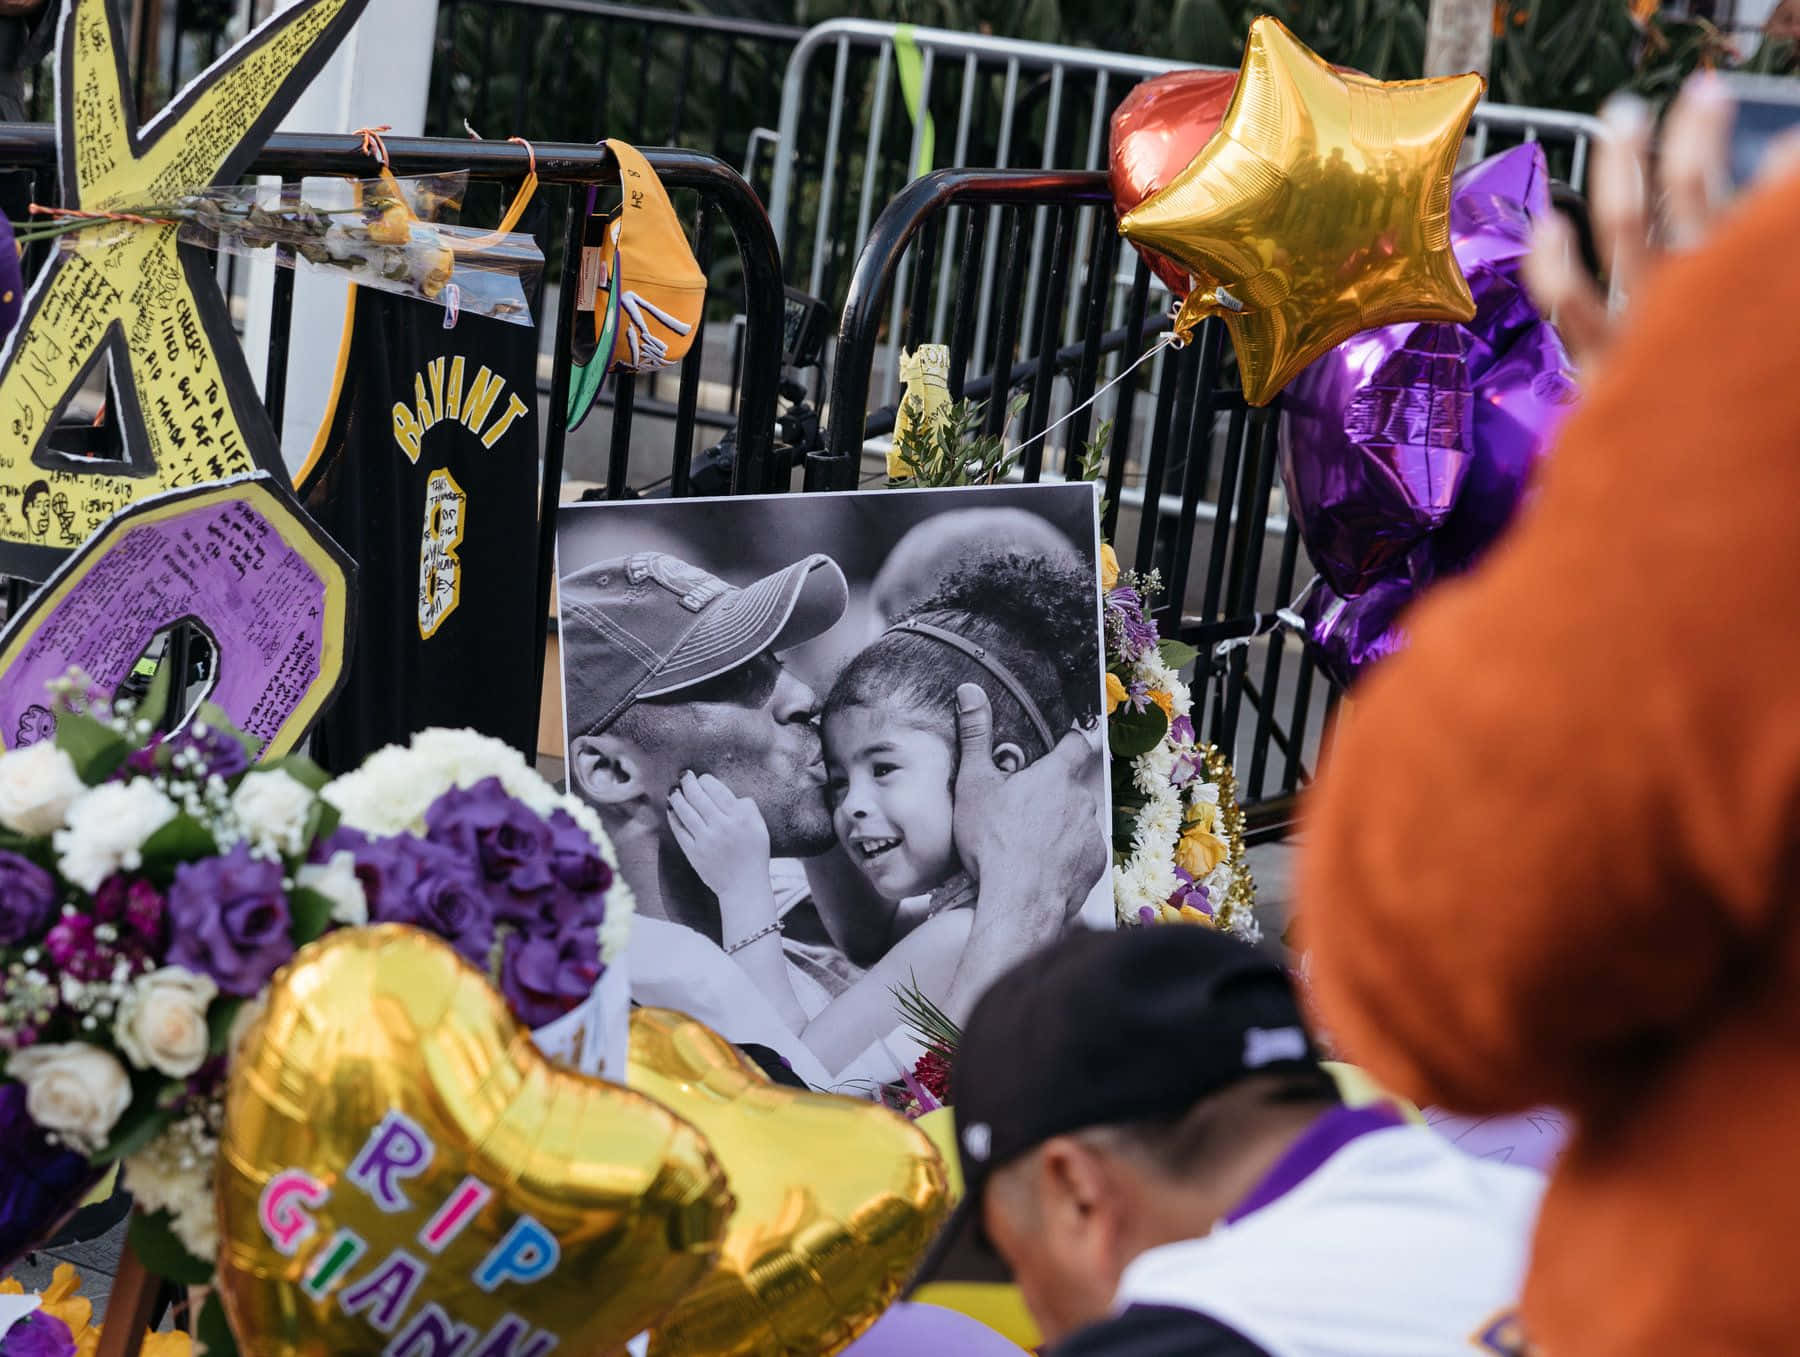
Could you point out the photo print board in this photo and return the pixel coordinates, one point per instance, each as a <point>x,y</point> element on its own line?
<point>760,702</point>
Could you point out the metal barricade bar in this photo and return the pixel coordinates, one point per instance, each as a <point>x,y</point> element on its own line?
<point>721,190</point>
<point>1203,512</point>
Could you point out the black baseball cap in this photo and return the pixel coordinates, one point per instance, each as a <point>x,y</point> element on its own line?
<point>650,624</point>
<point>1110,1029</point>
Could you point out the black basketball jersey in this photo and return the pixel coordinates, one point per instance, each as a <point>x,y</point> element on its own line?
<point>427,473</point>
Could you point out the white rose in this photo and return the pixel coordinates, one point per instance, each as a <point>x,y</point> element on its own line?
<point>37,783</point>
<point>336,880</point>
<point>162,1021</point>
<point>76,1090</point>
<point>106,828</point>
<point>273,808</point>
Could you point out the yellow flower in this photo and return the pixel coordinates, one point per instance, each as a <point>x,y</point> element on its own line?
<point>436,266</point>
<point>392,227</point>
<point>1199,852</point>
<point>1202,815</point>
<point>172,1344</point>
<point>1115,693</point>
<point>1187,914</point>
<point>1109,567</point>
<point>1163,700</point>
<point>62,1299</point>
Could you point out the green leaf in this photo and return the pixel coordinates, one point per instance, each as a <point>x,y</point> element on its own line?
<point>218,1024</point>
<point>1130,733</point>
<point>211,1332</point>
<point>1178,655</point>
<point>310,914</point>
<point>322,823</point>
<point>154,1242</point>
<point>183,839</point>
<point>141,1124</point>
<point>94,747</point>
<point>935,1029</point>
<point>302,769</point>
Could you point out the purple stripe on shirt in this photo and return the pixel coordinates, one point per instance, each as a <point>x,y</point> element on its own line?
<point>1324,1138</point>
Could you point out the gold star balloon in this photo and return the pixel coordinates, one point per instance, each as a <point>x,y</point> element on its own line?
<point>1321,205</point>
<point>132,291</point>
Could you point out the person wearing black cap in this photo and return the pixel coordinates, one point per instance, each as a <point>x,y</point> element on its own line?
<point>669,672</point>
<point>1149,1143</point>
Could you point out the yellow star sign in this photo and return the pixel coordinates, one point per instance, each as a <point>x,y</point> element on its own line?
<point>181,392</point>
<point>1321,205</point>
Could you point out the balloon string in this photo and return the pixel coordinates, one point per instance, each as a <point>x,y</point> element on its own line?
<point>1266,624</point>
<point>1167,340</point>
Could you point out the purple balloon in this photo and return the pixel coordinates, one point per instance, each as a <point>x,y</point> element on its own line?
<point>1351,633</point>
<point>1406,450</point>
<point>1530,1140</point>
<point>910,1329</point>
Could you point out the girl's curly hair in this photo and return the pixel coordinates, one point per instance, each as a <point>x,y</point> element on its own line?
<point>1036,617</point>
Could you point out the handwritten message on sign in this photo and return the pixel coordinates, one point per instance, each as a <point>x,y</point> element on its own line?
<point>242,560</point>
<point>186,406</point>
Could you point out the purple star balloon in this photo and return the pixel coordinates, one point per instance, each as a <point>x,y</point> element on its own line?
<point>1407,449</point>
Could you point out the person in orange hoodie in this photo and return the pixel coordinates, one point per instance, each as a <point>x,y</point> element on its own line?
<point>1554,857</point>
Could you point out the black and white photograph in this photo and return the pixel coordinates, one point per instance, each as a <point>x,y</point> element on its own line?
<point>761,699</point>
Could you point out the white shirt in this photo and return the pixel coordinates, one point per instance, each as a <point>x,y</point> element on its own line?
<point>1396,1245</point>
<point>677,967</point>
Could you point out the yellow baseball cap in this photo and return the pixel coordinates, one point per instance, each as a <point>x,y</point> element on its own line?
<point>648,292</point>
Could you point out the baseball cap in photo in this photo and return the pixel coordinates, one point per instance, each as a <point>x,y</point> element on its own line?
<point>649,624</point>
<point>1107,1029</point>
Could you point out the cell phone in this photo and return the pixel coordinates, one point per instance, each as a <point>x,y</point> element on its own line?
<point>1767,106</point>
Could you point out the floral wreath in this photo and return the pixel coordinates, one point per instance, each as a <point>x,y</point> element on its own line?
<point>1178,831</point>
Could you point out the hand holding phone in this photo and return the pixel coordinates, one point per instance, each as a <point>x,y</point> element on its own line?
<point>1644,205</point>
<point>1768,106</point>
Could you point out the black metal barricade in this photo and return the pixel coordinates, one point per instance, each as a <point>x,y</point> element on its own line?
<point>1191,488</point>
<point>723,197</point>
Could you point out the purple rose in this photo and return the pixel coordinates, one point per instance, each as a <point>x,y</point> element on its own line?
<point>221,755</point>
<point>574,859</point>
<point>507,839</point>
<point>385,867</point>
<point>41,1184</point>
<point>27,899</point>
<point>545,977</point>
<point>434,888</point>
<point>229,919</point>
<point>39,1334</point>
<point>343,839</point>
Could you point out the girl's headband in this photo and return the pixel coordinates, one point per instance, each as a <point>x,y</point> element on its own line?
<point>988,662</point>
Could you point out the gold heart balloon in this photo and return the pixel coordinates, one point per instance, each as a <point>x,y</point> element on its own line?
<point>1321,205</point>
<point>402,1170</point>
<point>837,1200</point>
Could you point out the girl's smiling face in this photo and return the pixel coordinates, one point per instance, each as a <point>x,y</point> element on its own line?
<point>889,789</point>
